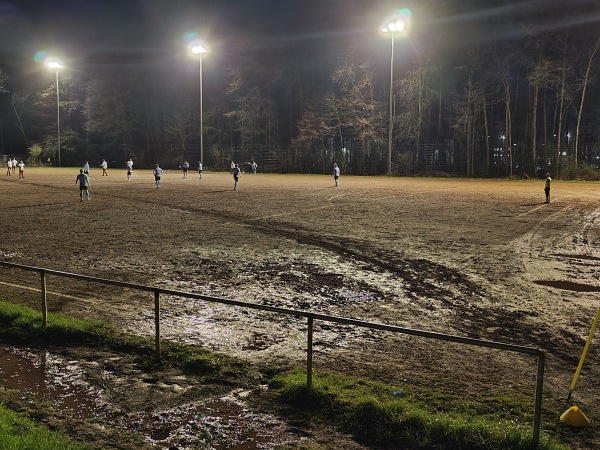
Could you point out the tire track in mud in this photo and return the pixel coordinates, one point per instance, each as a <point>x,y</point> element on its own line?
<point>428,284</point>
<point>424,281</point>
<point>552,338</point>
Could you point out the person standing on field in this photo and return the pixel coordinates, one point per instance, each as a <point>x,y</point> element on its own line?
<point>157,174</point>
<point>186,167</point>
<point>104,166</point>
<point>129,169</point>
<point>254,165</point>
<point>21,169</point>
<point>336,173</point>
<point>200,169</point>
<point>547,187</point>
<point>236,176</point>
<point>84,184</point>
<point>14,165</point>
<point>9,167</point>
<point>86,168</point>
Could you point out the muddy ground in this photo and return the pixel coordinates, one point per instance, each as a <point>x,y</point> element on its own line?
<point>480,258</point>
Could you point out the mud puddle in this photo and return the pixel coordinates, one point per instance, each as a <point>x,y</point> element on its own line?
<point>49,378</point>
<point>218,423</point>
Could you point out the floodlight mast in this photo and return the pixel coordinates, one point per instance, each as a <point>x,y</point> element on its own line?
<point>56,65</point>
<point>200,49</point>
<point>395,26</point>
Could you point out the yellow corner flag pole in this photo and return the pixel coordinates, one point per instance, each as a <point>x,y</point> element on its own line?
<point>585,349</point>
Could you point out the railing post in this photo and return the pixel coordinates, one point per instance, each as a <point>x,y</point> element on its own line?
<point>44,302</point>
<point>537,413</point>
<point>157,321</point>
<point>309,355</point>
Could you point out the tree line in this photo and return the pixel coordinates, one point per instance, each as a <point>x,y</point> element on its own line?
<point>502,107</point>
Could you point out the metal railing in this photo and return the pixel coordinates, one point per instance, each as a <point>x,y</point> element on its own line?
<point>311,317</point>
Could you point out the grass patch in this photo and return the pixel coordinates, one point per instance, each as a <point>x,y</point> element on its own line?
<point>19,433</point>
<point>409,417</point>
<point>24,324</point>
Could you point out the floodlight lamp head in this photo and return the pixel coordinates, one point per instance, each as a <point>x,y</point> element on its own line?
<point>198,49</point>
<point>395,26</point>
<point>54,64</point>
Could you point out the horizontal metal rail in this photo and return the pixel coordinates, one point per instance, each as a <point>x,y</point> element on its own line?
<point>539,354</point>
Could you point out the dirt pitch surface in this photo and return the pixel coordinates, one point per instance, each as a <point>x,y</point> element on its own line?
<point>485,259</point>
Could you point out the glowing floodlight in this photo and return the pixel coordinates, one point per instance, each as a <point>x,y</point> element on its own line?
<point>54,64</point>
<point>397,23</point>
<point>198,49</point>
<point>393,27</point>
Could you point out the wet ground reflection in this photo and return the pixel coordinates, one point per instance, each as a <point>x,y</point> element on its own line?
<point>221,423</point>
<point>47,377</point>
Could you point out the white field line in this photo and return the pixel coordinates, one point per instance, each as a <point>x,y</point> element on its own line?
<point>302,211</point>
<point>543,205</point>
<point>91,300</point>
<point>29,288</point>
<point>289,213</point>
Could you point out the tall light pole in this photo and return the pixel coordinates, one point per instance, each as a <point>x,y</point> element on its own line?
<point>55,64</point>
<point>200,49</point>
<point>397,25</point>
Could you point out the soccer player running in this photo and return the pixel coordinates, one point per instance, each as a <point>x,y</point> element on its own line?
<point>157,174</point>
<point>84,184</point>
<point>236,176</point>
<point>336,173</point>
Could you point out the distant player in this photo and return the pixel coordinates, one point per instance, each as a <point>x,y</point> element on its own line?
<point>254,166</point>
<point>104,166</point>
<point>21,169</point>
<point>547,187</point>
<point>186,167</point>
<point>157,174</point>
<point>236,176</point>
<point>129,169</point>
<point>84,184</point>
<point>200,169</point>
<point>336,173</point>
<point>86,168</point>
<point>9,167</point>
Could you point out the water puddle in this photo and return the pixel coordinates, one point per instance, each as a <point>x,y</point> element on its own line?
<point>568,285</point>
<point>575,256</point>
<point>48,377</point>
<point>219,424</point>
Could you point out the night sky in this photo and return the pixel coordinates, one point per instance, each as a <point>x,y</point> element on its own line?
<point>94,35</point>
<point>89,35</point>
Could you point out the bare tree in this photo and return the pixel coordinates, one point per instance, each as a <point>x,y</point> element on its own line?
<point>584,84</point>
<point>503,66</point>
<point>18,103</point>
<point>179,128</point>
<point>541,75</point>
<point>3,78</point>
<point>414,102</point>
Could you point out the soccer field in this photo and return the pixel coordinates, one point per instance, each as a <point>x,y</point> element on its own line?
<point>480,258</point>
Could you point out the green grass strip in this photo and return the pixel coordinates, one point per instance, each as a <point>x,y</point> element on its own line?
<point>376,413</point>
<point>19,433</point>
<point>24,324</point>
